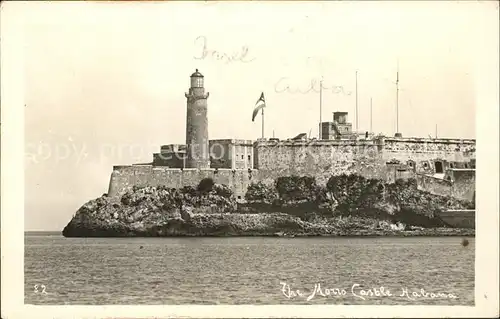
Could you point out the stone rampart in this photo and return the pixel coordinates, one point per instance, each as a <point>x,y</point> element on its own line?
<point>434,185</point>
<point>464,218</point>
<point>321,159</point>
<point>464,184</point>
<point>124,178</point>
<point>369,158</point>
<point>421,150</point>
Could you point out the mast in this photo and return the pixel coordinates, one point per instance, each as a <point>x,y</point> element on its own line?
<point>371,116</point>
<point>397,99</point>
<point>356,101</point>
<point>320,105</point>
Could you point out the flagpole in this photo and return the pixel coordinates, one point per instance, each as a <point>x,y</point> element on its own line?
<point>262,122</point>
<point>260,104</point>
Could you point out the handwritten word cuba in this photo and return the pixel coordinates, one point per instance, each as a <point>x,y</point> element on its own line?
<point>240,55</point>
<point>285,84</point>
<point>356,291</point>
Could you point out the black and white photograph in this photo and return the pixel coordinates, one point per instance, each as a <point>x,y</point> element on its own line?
<point>231,154</point>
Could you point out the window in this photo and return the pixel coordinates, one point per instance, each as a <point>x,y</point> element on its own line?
<point>439,167</point>
<point>242,157</point>
<point>451,165</point>
<point>249,157</point>
<point>426,165</point>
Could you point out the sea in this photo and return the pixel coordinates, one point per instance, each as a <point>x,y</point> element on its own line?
<point>248,270</point>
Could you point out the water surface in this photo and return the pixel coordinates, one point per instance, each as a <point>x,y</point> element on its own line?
<point>246,270</point>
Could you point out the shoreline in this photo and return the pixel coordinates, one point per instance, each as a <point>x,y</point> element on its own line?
<point>287,237</point>
<point>430,233</point>
<point>348,206</point>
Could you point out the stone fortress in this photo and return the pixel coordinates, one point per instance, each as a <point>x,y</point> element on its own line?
<point>441,166</point>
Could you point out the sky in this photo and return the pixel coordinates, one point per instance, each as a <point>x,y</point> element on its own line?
<point>105,82</point>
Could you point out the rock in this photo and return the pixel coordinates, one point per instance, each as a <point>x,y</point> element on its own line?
<point>295,206</point>
<point>186,213</point>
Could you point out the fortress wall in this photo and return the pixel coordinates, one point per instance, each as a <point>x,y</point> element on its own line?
<point>433,185</point>
<point>368,158</point>
<point>464,184</point>
<point>393,173</point>
<point>459,218</point>
<point>420,150</point>
<point>124,178</point>
<point>319,158</point>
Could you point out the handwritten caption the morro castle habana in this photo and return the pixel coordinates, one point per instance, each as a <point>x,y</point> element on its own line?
<point>357,291</point>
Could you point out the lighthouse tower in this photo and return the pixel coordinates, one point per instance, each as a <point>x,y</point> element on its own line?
<point>197,154</point>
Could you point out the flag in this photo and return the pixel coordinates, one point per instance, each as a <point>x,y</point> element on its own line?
<point>261,103</point>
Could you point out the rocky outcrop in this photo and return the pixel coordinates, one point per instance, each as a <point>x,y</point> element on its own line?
<point>349,205</point>
<point>150,211</point>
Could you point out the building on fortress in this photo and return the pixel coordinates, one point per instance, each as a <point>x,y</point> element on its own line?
<point>441,166</point>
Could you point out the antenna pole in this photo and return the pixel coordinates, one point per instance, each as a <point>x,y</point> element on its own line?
<point>356,102</point>
<point>436,131</point>
<point>397,99</point>
<point>371,116</point>
<point>320,106</point>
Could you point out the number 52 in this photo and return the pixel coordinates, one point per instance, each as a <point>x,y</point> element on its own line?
<point>42,289</point>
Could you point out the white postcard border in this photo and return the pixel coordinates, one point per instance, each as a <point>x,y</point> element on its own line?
<point>12,219</point>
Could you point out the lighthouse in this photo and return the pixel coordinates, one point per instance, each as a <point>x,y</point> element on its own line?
<point>197,152</point>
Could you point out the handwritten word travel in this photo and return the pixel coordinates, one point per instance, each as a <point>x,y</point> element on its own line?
<point>361,293</point>
<point>238,56</point>
<point>284,85</point>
